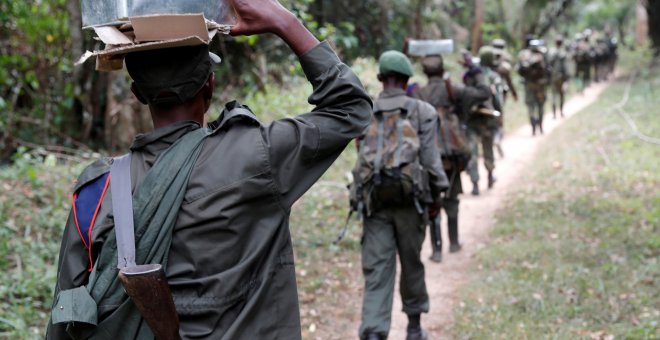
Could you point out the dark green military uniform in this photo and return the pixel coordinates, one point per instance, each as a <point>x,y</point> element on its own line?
<point>435,93</point>
<point>536,83</point>
<point>559,76</point>
<point>400,229</point>
<point>230,266</point>
<point>583,56</point>
<point>483,122</point>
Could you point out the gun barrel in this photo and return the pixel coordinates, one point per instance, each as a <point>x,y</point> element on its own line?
<point>147,286</point>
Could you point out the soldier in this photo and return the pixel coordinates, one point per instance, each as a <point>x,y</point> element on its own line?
<point>400,139</point>
<point>559,75</point>
<point>484,117</point>
<point>583,56</point>
<point>612,44</point>
<point>449,98</point>
<point>504,62</point>
<point>228,192</point>
<point>532,66</point>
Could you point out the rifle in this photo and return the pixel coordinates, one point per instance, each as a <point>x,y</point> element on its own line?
<point>147,286</point>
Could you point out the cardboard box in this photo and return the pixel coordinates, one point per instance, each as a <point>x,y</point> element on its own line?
<point>150,32</point>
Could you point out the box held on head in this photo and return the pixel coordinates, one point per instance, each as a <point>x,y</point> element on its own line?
<point>115,12</point>
<point>423,48</point>
<point>150,32</point>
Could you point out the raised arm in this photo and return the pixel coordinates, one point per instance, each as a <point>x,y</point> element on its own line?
<point>301,149</point>
<point>269,16</point>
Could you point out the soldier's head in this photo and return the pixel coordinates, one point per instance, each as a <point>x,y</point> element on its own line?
<point>487,57</point>
<point>394,69</point>
<point>559,40</point>
<point>499,44</point>
<point>433,65</point>
<point>173,77</point>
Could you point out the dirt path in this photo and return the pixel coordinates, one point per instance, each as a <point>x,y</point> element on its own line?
<point>476,218</point>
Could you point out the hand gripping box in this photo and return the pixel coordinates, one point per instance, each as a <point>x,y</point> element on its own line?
<point>126,26</point>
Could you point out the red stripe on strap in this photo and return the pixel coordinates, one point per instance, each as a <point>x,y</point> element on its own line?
<point>91,225</point>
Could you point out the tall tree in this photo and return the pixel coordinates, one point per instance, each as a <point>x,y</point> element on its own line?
<point>476,40</point>
<point>653,9</point>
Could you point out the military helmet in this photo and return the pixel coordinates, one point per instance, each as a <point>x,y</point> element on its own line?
<point>487,56</point>
<point>433,64</point>
<point>394,62</point>
<point>498,43</point>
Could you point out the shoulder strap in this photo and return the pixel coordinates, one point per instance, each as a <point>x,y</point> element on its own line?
<point>122,210</point>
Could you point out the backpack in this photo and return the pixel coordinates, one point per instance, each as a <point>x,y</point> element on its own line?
<point>532,65</point>
<point>452,140</point>
<point>388,172</point>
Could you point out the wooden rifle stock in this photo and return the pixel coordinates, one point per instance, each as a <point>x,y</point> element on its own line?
<point>147,286</point>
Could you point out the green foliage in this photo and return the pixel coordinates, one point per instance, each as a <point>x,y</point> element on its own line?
<point>35,67</point>
<point>33,209</point>
<point>575,252</point>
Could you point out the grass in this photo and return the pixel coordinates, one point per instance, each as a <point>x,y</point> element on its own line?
<point>574,254</point>
<point>33,209</point>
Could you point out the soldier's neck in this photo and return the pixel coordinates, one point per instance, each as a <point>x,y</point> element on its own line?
<point>164,116</point>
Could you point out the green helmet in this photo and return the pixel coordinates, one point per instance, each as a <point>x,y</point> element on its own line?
<point>394,62</point>
<point>487,56</point>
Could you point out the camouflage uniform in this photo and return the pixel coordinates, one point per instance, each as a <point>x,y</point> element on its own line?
<point>583,57</point>
<point>389,230</point>
<point>436,94</point>
<point>535,86</point>
<point>482,126</point>
<point>559,76</point>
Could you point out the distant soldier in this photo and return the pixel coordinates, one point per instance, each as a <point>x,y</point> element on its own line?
<point>559,75</point>
<point>601,59</point>
<point>449,100</point>
<point>483,118</point>
<point>583,56</point>
<point>504,62</point>
<point>532,66</point>
<point>613,45</point>
<point>392,194</point>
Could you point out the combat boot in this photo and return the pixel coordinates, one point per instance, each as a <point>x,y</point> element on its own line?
<point>491,180</point>
<point>373,336</point>
<point>452,226</point>
<point>436,241</point>
<point>475,189</point>
<point>417,334</point>
<point>414,330</point>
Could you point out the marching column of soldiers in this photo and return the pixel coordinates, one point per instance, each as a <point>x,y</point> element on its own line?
<point>467,118</point>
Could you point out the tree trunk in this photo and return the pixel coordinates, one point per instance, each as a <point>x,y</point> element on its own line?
<point>653,10</point>
<point>476,28</point>
<point>642,25</point>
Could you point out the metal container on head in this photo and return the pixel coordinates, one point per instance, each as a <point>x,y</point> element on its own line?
<point>423,48</point>
<point>115,12</point>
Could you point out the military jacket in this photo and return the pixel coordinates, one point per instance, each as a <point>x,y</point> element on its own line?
<point>230,265</point>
